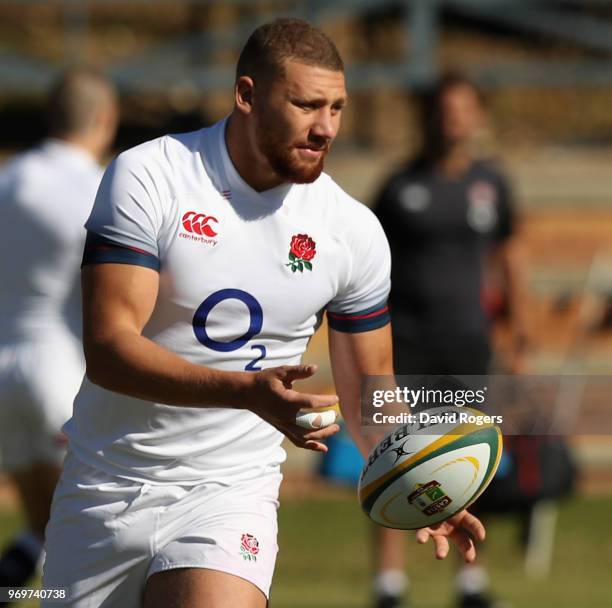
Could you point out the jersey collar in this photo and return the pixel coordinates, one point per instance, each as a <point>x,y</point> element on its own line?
<point>231,181</point>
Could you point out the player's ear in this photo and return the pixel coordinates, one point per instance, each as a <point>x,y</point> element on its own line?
<point>243,92</point>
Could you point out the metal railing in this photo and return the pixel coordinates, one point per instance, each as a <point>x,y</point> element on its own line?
<point>170,63</point>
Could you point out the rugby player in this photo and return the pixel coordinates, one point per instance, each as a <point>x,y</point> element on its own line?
<point>46,194</point>
<point>209,261</point>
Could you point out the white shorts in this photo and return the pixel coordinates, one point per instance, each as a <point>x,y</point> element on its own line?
<point>38,383</point>
<point>107,535</point>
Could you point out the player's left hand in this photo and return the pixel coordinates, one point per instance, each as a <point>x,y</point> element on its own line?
<point>462,529</point>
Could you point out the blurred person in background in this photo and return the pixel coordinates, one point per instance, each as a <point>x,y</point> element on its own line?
<point>449,219</point>
<point>46,195</point>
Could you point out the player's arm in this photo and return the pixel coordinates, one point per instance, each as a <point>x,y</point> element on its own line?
<point>118,300</point>
<point>354,356</point>
<point>510,258</point>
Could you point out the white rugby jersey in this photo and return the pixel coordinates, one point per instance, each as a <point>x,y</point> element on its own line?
<point>244,278</point>
<point>46,196</point>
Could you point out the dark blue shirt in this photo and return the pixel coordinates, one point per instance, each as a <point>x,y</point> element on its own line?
<point>439,230</point>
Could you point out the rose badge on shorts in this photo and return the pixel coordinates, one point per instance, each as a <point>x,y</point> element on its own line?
<point>301,252</point>
<point>249,547</point>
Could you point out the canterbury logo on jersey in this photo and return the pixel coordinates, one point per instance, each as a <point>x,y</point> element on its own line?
<point>199,223</point>
<point>199,227</point>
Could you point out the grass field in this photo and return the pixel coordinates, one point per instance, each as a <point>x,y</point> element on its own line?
<point>324,559</point>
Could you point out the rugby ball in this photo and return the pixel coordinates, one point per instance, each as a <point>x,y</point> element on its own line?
<point>423,473</point>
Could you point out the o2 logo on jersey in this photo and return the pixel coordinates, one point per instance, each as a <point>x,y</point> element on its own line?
<point>255,324</point>
<point>199,223</point>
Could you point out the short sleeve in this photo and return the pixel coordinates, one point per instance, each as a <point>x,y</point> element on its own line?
<point>127,215</point>
<point>506,222</point>
<point>361,305</point>
<point>385,203</point>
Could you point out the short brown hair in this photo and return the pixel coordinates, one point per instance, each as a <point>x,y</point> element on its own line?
<point>271,44</point>
<point>75,100</point>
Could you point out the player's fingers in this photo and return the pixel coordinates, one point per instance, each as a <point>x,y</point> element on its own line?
<point>315,420</point>
<point>308,444</point>
<point>295,436</point>
<point>422,535</point>
<point>324,433</point>
<point>310,401</point>
<point>465,545</point>
<point>316,446</point>
<point>473,526</point>
<point>442,546</point>
<point>297,372</point>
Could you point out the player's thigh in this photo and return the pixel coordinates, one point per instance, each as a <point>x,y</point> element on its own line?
<point>228,529</point>
<point>201,588</point>
<point>99,536</point>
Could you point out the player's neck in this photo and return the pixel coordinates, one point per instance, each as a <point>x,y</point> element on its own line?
<point>87,144</point>
<point>456,160</point>
<point>252,167</point>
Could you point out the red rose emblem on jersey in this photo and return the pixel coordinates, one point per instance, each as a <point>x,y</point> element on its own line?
<point>301,252</point>
<point>249,547</point>
<point>303,247</point>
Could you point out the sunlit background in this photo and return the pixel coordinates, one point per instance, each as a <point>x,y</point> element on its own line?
<point>546,70</point>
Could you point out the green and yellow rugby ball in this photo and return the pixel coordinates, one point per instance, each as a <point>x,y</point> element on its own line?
<point>423,473</point>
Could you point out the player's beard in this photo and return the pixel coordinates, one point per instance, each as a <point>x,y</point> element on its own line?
<point>281,157</point>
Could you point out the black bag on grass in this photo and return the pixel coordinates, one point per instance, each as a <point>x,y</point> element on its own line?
<point>532,468</point>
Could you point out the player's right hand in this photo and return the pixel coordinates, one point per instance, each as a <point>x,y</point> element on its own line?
<point>273,398</point>
<point>463,529</point>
